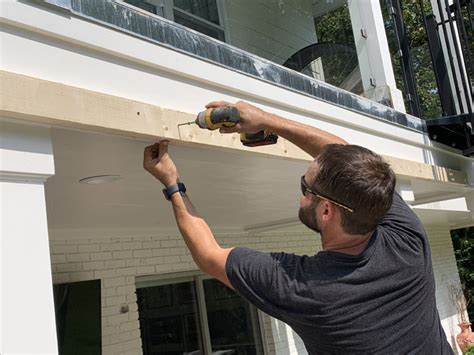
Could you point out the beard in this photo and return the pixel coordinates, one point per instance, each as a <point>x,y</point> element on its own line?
<point>307,216</point>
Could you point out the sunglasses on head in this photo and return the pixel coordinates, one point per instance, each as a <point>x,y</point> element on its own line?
<point>305,188</point>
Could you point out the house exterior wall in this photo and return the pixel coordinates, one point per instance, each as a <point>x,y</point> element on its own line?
<point>446,273</point>
<point>81,54</point>
<point>118,261</point>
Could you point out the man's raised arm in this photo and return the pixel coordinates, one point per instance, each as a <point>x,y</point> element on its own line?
<point>205,250</point>
<point>253,119</point>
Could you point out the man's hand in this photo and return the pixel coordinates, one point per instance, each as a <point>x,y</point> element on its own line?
<point>252,119</point>
<point>158,163</point>
<point>308,138</point>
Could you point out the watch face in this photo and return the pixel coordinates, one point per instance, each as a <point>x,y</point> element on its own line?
<point>166,194</point>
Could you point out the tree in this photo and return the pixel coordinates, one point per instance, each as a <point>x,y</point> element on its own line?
<point>463,244</point>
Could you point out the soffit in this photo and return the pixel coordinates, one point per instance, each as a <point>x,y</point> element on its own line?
<point>231,189</point>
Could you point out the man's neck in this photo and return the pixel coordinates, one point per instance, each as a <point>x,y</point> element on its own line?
<point>346,244</point>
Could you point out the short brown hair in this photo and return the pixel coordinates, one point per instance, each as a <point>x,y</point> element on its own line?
<point>358,178</point>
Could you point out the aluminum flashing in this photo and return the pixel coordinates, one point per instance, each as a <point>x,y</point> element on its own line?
<point>174,36</point>
<point>65,4</point>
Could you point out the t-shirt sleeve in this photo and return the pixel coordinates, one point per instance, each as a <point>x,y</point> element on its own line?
<point>258,277</point>
<point>401,219</point>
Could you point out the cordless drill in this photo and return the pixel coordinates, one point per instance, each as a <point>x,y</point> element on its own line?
<point>229,116</point>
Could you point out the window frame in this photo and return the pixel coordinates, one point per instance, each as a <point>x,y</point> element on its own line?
<point>198,278</point>
<point>168,13</point>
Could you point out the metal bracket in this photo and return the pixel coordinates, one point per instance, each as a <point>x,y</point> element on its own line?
<point>363,33</point>
<point>454,131</point>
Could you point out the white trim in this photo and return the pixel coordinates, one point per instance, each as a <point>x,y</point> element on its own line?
<point>263,333</point>
<point>204,321</point>
<point>165,279</point>
<point>222,9</point>
<point>23,177</point>
<point>143,11</point>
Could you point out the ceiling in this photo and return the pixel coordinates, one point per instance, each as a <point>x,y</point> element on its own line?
<point>231,190</point>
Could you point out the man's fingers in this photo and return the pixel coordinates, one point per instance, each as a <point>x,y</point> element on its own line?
<point>234,129</point>
<point>148,151</point>
<point>163,148</point>
<point>151,151</point>
<point>218,103</point>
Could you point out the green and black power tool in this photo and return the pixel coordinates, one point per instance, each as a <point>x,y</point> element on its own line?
<point>229,116</point>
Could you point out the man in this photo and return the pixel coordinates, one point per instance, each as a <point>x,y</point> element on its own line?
<point>370,291</point>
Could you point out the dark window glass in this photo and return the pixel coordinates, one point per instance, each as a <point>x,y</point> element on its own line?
<point>78,317</point>
<point>169,321</point>
<point>205,9</point>
<point>233,325</point>
<point>197,25</point>
<point>146,6</point>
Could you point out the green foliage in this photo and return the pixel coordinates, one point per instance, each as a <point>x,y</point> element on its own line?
<point>335,27</point>
<point>469,351</point>
<point>463,243</point>
<point>421,59</point>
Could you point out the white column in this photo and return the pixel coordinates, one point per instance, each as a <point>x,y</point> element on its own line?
<point>27,322</point>
<point>373,53</point>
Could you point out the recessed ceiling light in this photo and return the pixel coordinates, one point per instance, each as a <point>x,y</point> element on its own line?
<point>100,179</point>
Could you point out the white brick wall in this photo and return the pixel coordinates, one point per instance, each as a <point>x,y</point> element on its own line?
<point>445,270</point>
<point>118,261</point>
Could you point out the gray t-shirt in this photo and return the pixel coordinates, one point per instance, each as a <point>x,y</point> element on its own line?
<point>379,302</point>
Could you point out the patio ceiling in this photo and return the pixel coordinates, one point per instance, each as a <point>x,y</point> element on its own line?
<point>231,189</point>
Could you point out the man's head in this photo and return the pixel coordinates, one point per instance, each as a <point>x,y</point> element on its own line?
<point>348,177</point>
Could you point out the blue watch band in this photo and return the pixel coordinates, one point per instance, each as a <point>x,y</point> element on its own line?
<point>170,190</point>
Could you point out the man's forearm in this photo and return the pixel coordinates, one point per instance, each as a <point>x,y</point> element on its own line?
<point>195,231</point>
<point>308,138</point>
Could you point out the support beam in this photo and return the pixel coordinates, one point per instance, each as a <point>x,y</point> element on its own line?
<point>27,323</point>
<point>75,108</point>
<point>373,54</point>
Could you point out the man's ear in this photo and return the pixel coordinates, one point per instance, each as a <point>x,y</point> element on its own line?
<point>329,211</point>
<point>326,210</point>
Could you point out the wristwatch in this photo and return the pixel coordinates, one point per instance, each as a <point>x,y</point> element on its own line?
<point>170,190</point>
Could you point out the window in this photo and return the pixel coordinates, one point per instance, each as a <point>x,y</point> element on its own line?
<point>78,317</point>
<point>195,315</point>
<point>200,15</point>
